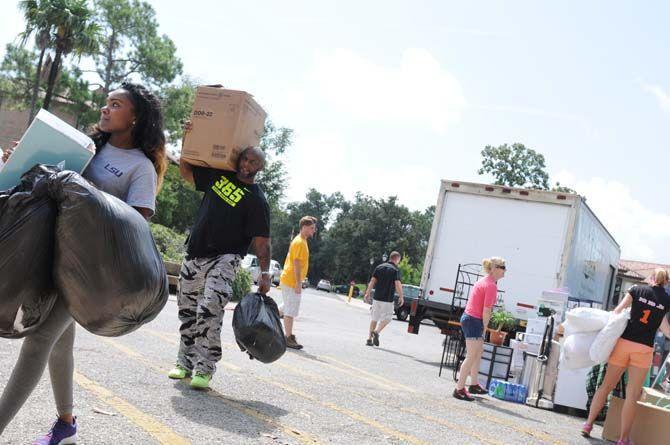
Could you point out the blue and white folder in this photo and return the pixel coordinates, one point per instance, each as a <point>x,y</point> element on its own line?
<point>48,140</point>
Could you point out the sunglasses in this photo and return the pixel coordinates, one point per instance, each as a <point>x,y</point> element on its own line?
<point>501,267</point>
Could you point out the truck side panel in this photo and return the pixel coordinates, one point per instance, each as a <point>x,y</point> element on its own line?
<point>529,235</point>
<point>593,260</point>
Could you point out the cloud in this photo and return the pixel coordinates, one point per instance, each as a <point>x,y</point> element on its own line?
<point>417,92</point>
<point>642,233</point>
<point>662,96</point>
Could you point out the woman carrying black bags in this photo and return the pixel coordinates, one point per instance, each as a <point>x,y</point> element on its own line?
<point>129,163</point>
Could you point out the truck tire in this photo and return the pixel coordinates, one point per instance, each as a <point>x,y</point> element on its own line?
<point>402,313</point>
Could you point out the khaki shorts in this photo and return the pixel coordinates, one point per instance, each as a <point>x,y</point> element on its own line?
<point>381,310</point>
<point>291,305</point>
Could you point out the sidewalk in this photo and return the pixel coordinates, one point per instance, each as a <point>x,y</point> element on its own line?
<point>355,302</point>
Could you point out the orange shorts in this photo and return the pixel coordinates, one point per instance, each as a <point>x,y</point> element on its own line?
<point>628,353</point>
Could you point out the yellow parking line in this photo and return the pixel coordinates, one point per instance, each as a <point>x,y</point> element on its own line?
<point>354,415</point>
<point>483,415</point>
<point>293,432</point>
<point>152,426</point>
<point>170,338</point>
<point>390,384</point>
<point>358,417</point>
<point>355,373</point>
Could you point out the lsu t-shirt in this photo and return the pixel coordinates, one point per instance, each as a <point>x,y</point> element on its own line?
<point>231,214</point>
<point>650,304</point>
<point>125,173</point>
<point>298,250</point>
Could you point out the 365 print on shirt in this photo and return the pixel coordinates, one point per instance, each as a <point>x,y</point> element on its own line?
<point>228,191</point>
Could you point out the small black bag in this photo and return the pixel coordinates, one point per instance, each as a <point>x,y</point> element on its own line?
<point>27,221</point>
<point>258,329</point>
<point>107,268</point>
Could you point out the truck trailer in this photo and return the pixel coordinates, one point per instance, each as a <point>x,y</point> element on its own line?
<point>550,240</point>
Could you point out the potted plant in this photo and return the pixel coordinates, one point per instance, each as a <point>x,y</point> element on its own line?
<point>500,320</point>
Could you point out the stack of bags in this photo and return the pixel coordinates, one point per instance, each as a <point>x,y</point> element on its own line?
<point>60,237</point>
<point>590,336</point>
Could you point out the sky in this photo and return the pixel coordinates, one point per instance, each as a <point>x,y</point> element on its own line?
<point>389,97</point>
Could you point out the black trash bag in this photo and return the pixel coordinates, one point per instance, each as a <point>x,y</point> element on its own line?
<point>106,265</point>
<point>258,329</point>
<point>27,221</point>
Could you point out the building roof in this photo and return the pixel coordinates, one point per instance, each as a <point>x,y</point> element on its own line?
<point>639,270</point>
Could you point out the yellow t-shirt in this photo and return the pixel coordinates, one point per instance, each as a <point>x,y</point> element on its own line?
<point>298,250</point>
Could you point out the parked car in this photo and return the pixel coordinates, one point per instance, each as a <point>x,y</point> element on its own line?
<point>305,283</point>
<point>409,293</point>
<point>323,285</point>
<point>275,270</point>
<point>250,262</point>
<point>344,289</point>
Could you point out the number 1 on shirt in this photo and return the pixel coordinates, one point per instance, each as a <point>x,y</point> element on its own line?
<point>645,317</point>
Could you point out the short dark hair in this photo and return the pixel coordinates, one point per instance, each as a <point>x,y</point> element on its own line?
<point>307,221</point>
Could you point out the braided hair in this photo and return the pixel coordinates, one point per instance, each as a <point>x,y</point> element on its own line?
<point>147,132</point>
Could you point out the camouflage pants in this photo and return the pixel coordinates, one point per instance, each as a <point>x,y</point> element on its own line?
<point>206,288</point>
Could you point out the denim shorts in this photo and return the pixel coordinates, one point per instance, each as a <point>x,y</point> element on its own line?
<point>472,327</point>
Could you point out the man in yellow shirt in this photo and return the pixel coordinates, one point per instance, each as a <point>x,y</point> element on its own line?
<point>295,271</point>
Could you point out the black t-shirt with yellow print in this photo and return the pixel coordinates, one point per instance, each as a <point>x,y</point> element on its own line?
<point>231,214</point>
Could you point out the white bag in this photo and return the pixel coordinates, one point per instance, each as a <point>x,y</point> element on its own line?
<point>575,350</point>
<point>585,319</point>
<point>604,343</point>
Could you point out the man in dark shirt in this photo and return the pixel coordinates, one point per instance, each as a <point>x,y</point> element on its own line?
<point>233,215</point>
<point>386,282</point>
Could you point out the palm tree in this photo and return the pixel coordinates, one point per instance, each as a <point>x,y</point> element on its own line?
<point>73,30</point>
<point>37,24</point>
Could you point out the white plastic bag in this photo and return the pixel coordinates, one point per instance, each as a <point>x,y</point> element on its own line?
<point>575,350</point>
<point>604,343</point>
<point>585,319</point>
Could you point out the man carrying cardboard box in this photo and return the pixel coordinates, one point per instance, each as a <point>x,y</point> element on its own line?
<point>233,214</point>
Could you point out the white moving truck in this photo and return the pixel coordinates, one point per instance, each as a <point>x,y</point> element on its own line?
<point>550,240</point>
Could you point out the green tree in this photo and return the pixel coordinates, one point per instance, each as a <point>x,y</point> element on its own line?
<point>131,45</point>
<point>73,30</point>
<point>38,24</point>
<point>410,273</point>
<point>368,228</point>
<point>17,73</point>
<point>177,102</point>
<point>273,178</point>
<point>285,226</point>
<point>562,189</point>
<point>515,166</point>
<point>177,203</point>
<point>169,243</point>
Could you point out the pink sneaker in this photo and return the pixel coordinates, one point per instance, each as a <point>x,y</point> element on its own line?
<point>586,429</point>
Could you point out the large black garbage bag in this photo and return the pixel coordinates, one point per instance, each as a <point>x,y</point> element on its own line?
<point>27,221</point>
<point>106,265</point>
<point>258,329</point>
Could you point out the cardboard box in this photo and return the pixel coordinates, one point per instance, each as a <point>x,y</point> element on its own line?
<point>225,122</point>
<point>655,397</point>
<point>651,425</point>
<point>49,140</point>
